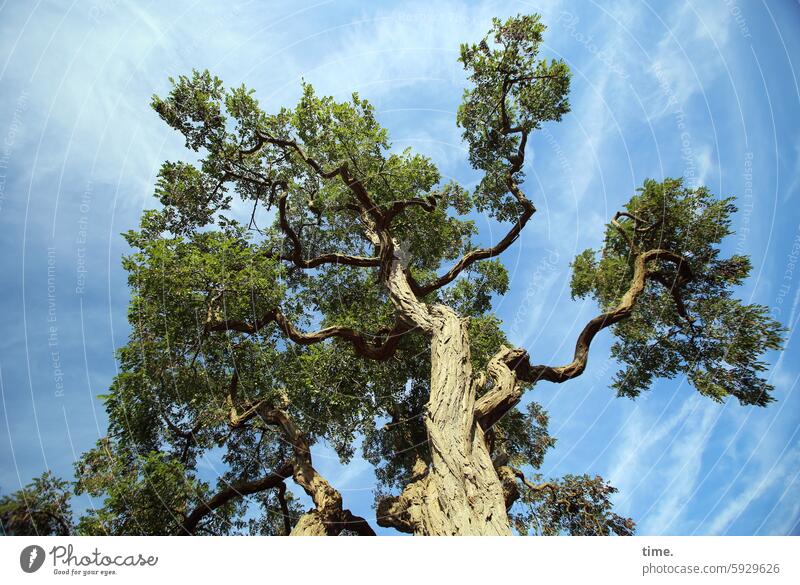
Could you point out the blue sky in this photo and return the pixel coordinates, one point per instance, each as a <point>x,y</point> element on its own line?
<point>705,90</point>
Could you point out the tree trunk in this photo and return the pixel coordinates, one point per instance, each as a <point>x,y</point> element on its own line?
<point>460,493</point>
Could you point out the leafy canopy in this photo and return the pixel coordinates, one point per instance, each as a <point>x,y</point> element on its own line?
<point>687,322</point>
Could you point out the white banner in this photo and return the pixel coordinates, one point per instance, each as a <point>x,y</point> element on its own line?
<point>120,560</point>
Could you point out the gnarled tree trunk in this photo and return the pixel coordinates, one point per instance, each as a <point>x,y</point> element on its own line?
<point>460,493</point>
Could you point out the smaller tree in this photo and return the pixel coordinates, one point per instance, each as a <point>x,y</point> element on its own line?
<point>40,508</point>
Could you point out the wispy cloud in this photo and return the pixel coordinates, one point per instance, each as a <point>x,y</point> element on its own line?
<point>659,461</point>
<point>783,471</point>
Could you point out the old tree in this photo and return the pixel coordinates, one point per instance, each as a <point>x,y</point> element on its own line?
<point>362,317</point>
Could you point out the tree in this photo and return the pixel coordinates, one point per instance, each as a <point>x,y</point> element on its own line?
<point>362,314</point>
<point>41,507</point>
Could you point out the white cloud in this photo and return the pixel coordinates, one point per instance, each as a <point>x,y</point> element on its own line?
<point>681,470</point>
<point>659,460</point>
<point>690,53</point>
<point>780,472</point>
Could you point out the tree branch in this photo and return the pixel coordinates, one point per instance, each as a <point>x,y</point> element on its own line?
<point>636,221</point>
<point>400,286</point>
<point>359,341</point>
<point>328,516</point>
<point>516,162</point>
<point>287,521</point>
<point>237,490</point>
<point>528,209</point>
<point>296,255</point>
<point>342,171</point>
<point>529,373</point>
<point>536,487</point>
<point>65,527</point>
<point>674,289</point>
<point>506,391</point>
<point>427,203</point>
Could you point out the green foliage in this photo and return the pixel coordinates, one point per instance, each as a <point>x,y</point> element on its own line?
<point>574,505</point>
<point>505,64</point>
<point>692,326</point>
<point>485,336</point>
<point>193,108</point>
<point>523,437</point>
<point>182,186</point>
<point>472,295</point>
<point>40,508</point>
<point>171,367</point>
<point>143,494</point>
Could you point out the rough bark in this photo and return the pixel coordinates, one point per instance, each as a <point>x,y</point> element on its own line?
<point>460,493</point>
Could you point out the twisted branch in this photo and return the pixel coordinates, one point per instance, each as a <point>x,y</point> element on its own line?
<point>530,373</point>
<point>516,162</point>
<point>359,341</point>
<point>296,255</point>
<point>328,516</point>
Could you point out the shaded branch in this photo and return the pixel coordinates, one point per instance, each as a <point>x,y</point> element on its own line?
<point>235,490</point>
<point>359,341</point>
<point>287,521</point>
<point>392,512</point>
<point>188,435</point>
<point>296,255</point>
<point>673,288</point>
<point>428,204</point>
